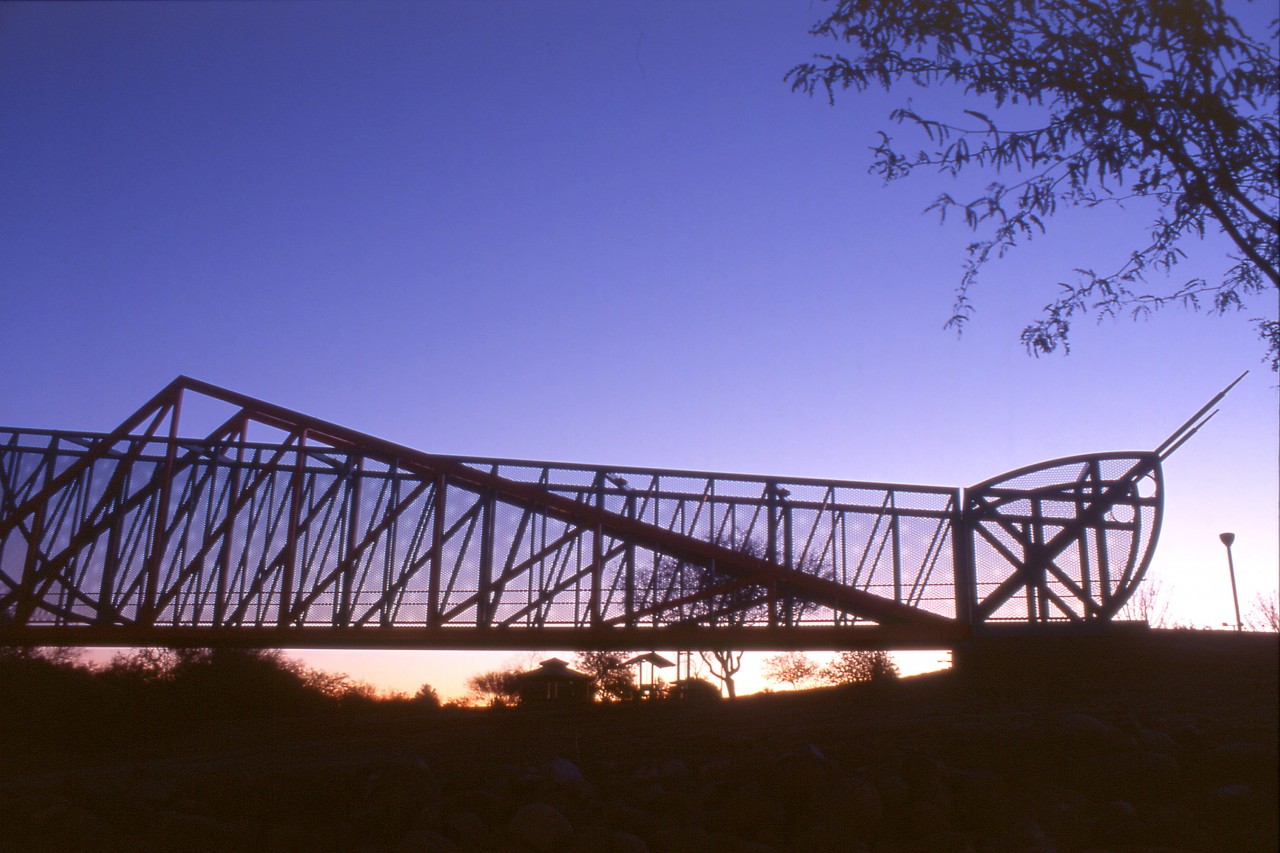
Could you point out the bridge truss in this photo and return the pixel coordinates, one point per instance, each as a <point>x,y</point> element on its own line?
<point>318,535</point>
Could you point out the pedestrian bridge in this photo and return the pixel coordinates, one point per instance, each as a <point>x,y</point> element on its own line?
<point>278,529</point>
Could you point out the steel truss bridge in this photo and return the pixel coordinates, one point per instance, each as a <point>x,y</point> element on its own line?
<point>314,535</point>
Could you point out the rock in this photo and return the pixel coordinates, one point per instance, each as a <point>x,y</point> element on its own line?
<point>980,799</point>
<point>625,842</point>
<point>918,819</point>
<point>853,803</point>
<point>466,829</point>
<point>825,836</point>
<point>563,771</point>
<point>1060,811</point>
<point>1239,762</point>
<point>63,826</point>
<point>403,784</point>
<point>1082,729</point>
<point>675,839</point>
<point>918,767</point>
<point>540,827</point>
<point>1117,825</point>
<point>745,813</point>
<point>606,841</point>
<point>667,771</point>
<point>424,841</point>
<point>1023,835</point>
<point>176,831</point>
<point>894,790</point>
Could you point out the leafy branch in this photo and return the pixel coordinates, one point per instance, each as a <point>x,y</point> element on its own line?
<point>1167,101</point>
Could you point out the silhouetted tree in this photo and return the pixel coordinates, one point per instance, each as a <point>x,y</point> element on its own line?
<point>1165,101</point>
<point>693,690</point>
<point>427,697</point>
<point>241,682</point>
<point>498,688</point>
<point>48,700</point>
<point>1265,615</point>
<point>612,678</point>
<point>859,668</point>
<point>791,668</point>
<point>718,598</point>
<point>1148,604</point>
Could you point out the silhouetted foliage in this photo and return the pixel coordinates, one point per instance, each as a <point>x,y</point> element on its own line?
<point>50,701</point>
<point>1166,101</point>
<point>791,668</point>
<point>47,697</point>
<point>612,679</point>
<point>497,689</point>
<point>693,690</point>
<point>860,667</point>
<point>427,697</point>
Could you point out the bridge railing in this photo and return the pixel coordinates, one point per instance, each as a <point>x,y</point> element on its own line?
<point>224,532</point>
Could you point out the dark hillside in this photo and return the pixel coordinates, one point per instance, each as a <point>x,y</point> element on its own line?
<point>1161,742</point>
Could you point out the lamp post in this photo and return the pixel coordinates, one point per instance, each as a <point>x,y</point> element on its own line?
<point>1228,539</point>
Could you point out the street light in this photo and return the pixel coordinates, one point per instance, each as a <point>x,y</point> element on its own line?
<point>1228,539</point>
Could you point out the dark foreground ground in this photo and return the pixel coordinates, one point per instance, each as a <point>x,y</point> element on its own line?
<point>1163,742</point>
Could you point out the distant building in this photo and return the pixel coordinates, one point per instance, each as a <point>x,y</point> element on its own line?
<point>649,689</point>
<point>554,682</point>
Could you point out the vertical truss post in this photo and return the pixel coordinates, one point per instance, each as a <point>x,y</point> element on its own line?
<point>597,559</point>
<point>161,518</point>
<point>437,552</point>
<point>347,580</point>
<point>228,538</point>
<point>1086,573</point>
<point>1104,557</point>
<point>1036,577</point>
<point>484,600</point>
<point>962,559</point>
<point>788,553</point>
<point>389,552</point>
<point>597,575</point>
<point>290,557</point>
<point>771,545</point>
<point>895,546</point>
<point>629,604</point>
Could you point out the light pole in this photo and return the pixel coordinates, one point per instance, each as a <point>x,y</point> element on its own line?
<point>1228,539</point>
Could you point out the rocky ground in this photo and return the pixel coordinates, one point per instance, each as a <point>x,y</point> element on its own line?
<point>1162,743</point>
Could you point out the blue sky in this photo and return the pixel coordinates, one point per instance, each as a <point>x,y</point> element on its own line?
<point>577,231</point>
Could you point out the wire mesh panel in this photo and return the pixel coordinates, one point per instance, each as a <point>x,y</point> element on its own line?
<point>1066,540</point>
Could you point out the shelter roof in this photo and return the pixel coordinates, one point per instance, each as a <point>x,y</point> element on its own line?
<point>652,658</point>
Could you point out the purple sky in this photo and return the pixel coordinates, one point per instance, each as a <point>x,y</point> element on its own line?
<point>573,231</point>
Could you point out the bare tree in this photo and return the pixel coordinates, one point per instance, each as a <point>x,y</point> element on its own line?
<point>792,668</point>
<point>1265,615</point>
<point>707,596</point>
<point>1148,604</point>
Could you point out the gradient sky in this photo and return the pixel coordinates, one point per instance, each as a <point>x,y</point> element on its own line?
<point>578,231</point>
